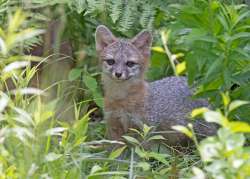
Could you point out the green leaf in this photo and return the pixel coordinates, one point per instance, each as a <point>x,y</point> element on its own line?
<point>198,111</point>
<point>3,48</point>
<point>226,99</point>
<point>181,67</point>
<point>50,157</point>
<point>192,67</point>
<point>15,66</point>
<point>212,116</point>
<point>241,17</point>
<point>144,165</point>
<point>136,131</point>
<point>214,5</point>
<point>4,100</point>
<point>107,174</point>
<point>240,35</point>
<point>90,82</point>
<point>158,49</point>
<point>131,140</point>
<point>140,152</point>
<point>116,153</point>
<point>14,58</point>
<point>237,126</point>
<point>156,137</point>
<point>209,149</point>
<point>146,129</point>
<point>80,127</point>
<point>223,21</point>
<point>16,21</point>
<point>74,74</point>
<point>95,169</point>
<point>243,27</point>
<point>227,77</point>
<point>55,131</point>
<point>23,134</point>
<point>159,157</point>
<point>46,115</point>
<point>23,117</point>
<point>236,104</point>
<point>2,33</point>
<point>234,141</point>
<point>98,98</point>
<point>198,173</point>
<point>183,130</point>
<point>214,68</point>
<point>25,34</point>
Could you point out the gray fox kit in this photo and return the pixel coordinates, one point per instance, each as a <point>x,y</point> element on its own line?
<point>130,101</point>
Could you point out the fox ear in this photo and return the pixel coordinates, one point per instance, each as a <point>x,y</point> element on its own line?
<point>103,37</point>
<point>143,42</point>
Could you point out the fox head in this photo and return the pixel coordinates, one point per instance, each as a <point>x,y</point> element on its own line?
<point>123,59</point>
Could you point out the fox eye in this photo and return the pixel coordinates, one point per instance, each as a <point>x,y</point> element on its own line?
<point>110,61</point>
<point>130,64</point>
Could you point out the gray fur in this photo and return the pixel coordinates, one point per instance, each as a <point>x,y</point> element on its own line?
<point>169,103</point>
<point>170,98</point>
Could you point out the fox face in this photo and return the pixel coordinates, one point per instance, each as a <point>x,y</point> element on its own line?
<point>123,59</point>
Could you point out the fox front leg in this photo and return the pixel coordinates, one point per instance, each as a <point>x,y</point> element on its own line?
<point>115,130</point>
<point>116,126</point>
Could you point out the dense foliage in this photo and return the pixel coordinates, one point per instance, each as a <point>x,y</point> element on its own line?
<point>50,91</point>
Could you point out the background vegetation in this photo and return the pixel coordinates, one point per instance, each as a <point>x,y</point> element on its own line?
<point>50,91</point>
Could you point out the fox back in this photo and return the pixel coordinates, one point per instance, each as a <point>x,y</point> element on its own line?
<point>129,101</point>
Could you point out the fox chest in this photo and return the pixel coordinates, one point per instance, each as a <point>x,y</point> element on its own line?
<point>127,113</point>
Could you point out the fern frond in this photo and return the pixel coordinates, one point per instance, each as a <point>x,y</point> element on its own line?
<point>147,16</point>
<point>125,13</point>
<point>78,5</point>
<point>128,17</point>
<point>95,6</point>
<point>115,9</point>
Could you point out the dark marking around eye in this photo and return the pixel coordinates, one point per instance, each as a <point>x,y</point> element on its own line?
<point>110,61</point>
<point>130,63</point>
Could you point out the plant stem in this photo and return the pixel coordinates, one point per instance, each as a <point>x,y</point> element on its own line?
<point>131,164</point>
<point>164,38</point>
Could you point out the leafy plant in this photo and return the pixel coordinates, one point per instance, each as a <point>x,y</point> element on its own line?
<point>91,84</point>
<point>225,154</point>
<point>122,14</point>
<point>215,39</point>
<point>33,145</point>
<point>144,148</point>
<point>11,42</point>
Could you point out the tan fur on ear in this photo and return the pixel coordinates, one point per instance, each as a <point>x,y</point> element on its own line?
<point>103,38</point>
<point>142,42</point>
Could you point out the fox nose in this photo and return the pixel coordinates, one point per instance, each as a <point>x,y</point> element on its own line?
<point>118,75</point>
